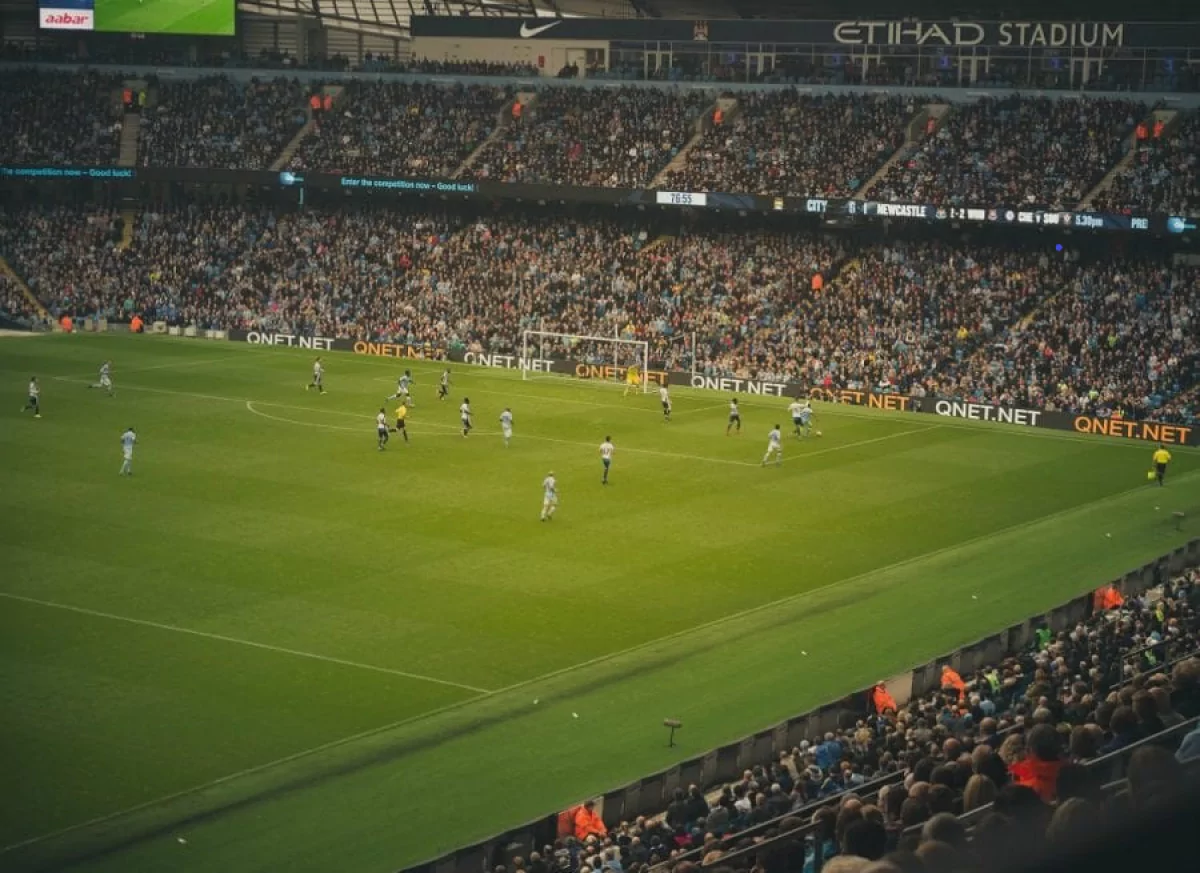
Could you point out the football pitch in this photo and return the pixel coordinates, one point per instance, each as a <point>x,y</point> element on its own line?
<point>205,17</point>
<point>277,648</point>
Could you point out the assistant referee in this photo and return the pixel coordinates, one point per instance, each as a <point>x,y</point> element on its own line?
<point>1161,458</point>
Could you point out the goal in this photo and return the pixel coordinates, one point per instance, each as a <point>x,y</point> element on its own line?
<point>601,359</point>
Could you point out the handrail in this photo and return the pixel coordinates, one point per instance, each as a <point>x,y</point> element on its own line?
<point>1184,727</point>
<point>1161,668</point>
<point>866,791</point>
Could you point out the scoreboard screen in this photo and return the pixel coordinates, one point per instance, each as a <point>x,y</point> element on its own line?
<point>193,17</point>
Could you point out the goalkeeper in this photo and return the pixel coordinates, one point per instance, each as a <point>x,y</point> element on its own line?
<point>633,381</point>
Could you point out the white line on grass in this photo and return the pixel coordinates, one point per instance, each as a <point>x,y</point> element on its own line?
<point>250,405</point>
<point>524,683</point>
<point>576,401</point>
<point>173,365</point>
<point>238,641</point>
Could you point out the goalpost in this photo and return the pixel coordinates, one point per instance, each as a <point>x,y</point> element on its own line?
<point>601,359</point>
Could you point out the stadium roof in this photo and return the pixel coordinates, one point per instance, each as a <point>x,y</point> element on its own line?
<point>394,15</point>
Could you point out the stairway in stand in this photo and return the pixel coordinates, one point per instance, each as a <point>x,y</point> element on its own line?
<point>1169,118</point>
<point>918,130</point>
<point>7,270</point>
<point>728,107</point>
<point>503,122</point>
<point>289,151</point>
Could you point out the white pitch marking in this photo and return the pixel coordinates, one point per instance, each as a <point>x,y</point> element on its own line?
<point>251,643</point>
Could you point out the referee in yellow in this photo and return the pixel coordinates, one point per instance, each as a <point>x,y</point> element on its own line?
<point>1161,458</point>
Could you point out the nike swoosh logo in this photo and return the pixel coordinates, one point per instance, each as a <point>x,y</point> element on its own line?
<point>527,31</point>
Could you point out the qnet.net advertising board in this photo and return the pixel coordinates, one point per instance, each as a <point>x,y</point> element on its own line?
<point>190,17</point>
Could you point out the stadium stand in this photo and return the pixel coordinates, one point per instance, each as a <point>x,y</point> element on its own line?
<point>1120,335</point>
<point>612,137</point>
<point>16,310</point>
<point>1015,150</point>
<point>1106,335</point>
<point>1007,754</point>
<point>788,142</point>
<point>1163,175</point>
<point>381,128</point>
<point>59,118</point>
<point>216,122</point>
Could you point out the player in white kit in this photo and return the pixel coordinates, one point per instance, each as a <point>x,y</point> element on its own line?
<point>35,398</point>
<point>506,425</point>
<point>665,398</point>
<point>381,429</point>
<point>774,447</point>
<point>549,496</point>
<point>464,412</point>
<point>105,378</point>
<point>318,377</point>
<point>606,453</point>
<point>127,441</point>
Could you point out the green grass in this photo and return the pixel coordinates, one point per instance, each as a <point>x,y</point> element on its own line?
<point>268,589</point>
<point>205,17</point>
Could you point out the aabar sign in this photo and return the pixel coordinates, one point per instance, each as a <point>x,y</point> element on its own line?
<point>1018,34</point>
<point>1149,431</point>
<point>66,19</point>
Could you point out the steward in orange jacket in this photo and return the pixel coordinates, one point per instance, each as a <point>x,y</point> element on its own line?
<point>882,701</point>
<point>951,679</point>
<point>587,822</point>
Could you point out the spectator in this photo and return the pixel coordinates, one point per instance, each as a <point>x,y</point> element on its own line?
<point>1039,769</point>
<point>403,129</point>
<point>785,142</point>
<point>1014,151</point>
<point>617,138</point>
<point>64,119</point>
<point>217,122</point>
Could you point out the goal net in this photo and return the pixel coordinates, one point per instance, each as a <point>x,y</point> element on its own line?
<point>605,360</point>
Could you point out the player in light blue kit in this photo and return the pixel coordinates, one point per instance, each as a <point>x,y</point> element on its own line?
<point>774,447</point>
<point>403,389</point>
<point>506,425</point>
<point>128,439</point>
<point>801,417</point>
<point>549,496</point>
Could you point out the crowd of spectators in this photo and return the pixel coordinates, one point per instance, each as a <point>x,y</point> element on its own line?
<point>59,118</point>
<point>403,129</point>
<point>1163,176</point>
<point>995,324</point>
<point>792,143</point>
<point>1011,745</point>
<point>1013,151</point>
<point>218,122</point>
<point>1120,337</point>
<point>16,309</point>
<point>610,137</point>
<point>901,313</point>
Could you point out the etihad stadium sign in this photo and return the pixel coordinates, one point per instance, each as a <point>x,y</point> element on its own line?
<point>1020,34</point>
